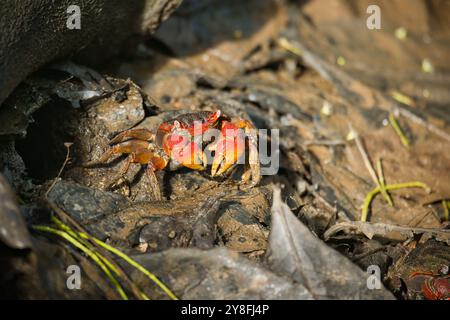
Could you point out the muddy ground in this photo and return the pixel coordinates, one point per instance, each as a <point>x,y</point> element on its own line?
<point>322,78</point>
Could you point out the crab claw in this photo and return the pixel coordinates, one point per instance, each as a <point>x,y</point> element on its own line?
<point>189,155</point>
<point>229,149</point>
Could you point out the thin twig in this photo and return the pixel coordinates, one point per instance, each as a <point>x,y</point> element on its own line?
<point>380,229</point>
<point>369,166</point>
<point>66,160</point>
<point>418,120</point>
<point>366,160</point>
<point>289,46</point>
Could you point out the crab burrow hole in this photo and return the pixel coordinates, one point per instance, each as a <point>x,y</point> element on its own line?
<point>43,150</point>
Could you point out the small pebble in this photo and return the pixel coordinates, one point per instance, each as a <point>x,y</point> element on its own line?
<point>351,135</point>
<point>153,245</point>
<point>172,234</point>
<point>327,108</point>
<point>142,247</point>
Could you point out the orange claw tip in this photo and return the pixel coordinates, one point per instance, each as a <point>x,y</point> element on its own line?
<point>197,167</point>
<point>228,150</point>
<point>219,168</point>
<point>225,160</point>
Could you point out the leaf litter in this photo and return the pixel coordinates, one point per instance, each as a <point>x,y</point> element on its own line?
<point>208,238</point>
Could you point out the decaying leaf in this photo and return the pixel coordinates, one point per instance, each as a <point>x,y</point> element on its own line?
<point>214,274</point>
<point>386,231</point>
<point>295,252</point>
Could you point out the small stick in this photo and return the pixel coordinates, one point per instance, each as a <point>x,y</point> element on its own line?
<point>371,229</point>
<point>369,166</point>
<point>66,160</point>
<point>418,120</point>
<point>366,160</point>
<point>289,46</point>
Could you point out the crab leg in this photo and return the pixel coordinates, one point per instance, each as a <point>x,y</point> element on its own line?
<point>253,157</point>
<point>140,156</point>
<point>154,163</point>
<point>139,134</point>
<point>127,147</point>
<point>123,170</point>
<point>153,181</point>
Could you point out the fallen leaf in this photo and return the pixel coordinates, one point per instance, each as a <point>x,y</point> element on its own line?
<point>213,274</point>
<point>295,252</point>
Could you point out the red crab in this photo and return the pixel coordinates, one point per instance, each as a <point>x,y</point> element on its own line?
<point>432,286</point>
<point>183,141</point>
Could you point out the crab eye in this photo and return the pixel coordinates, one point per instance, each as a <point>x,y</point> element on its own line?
<point>214,116</point>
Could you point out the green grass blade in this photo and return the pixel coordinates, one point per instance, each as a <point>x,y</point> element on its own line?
<point>89,252</point>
